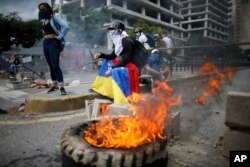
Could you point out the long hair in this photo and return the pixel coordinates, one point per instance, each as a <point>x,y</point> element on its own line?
<point>47,6</point>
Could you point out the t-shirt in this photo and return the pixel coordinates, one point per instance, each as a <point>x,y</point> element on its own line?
<point>169,44</point>
<point>143,39</point>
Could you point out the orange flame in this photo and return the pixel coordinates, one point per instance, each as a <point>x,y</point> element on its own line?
<point>146,125</point>
<point>103,109</point>
<point>215,82</point>
<point>229,73</point>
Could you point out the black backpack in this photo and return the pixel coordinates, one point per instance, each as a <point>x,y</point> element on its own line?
<point>140,55</point>
<point>150,40</point>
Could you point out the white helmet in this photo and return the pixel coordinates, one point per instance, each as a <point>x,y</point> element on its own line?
<point>155,50</point>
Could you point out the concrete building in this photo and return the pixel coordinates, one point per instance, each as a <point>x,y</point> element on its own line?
<point>211,19</point>
<point>166,14</point>
<point>242,22</point>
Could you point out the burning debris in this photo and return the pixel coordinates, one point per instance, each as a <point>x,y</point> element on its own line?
<point>215,82</point>
<point>146,124</point>
<point>41,84</point>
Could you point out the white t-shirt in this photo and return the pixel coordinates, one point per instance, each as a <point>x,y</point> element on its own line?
<point>169,44</point>
<point>143,39</point>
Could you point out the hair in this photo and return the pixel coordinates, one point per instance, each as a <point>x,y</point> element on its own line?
<point>47,6</point>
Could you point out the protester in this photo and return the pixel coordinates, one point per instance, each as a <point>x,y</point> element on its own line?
<point>55,30</point>
<point>16,64</point>
<point>157,66</point>
<point>169,44</point>
<point>118,75</point>
<point>140,36</point>
<point>159,42</point>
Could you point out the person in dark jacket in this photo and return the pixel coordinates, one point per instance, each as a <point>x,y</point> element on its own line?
<point>16,64</point>
<point>118,67</point>
<point>55,30</point>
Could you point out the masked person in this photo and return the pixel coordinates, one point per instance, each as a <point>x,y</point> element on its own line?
<point>157,66</point>
<point>55,30</point>
<point>140,36</point>
<point>118,75</point>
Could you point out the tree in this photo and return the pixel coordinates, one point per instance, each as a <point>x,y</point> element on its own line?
<point>15,31</point>
<point>86,24</point>
<point>147,28</point>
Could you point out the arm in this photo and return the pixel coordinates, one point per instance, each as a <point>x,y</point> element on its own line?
<point>64,27</point>
<point>107,56</point>
<point>151,70</point>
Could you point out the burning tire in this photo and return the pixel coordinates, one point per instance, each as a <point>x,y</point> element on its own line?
<point>78,152</point>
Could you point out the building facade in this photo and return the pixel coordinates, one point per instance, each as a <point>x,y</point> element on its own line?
<point>211,19</point>
<point>242,22</point>
<point>166,14</point>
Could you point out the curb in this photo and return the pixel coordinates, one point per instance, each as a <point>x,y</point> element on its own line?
<point>38,104</point>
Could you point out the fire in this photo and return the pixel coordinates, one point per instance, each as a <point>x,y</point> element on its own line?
<point>215,82</point>
<point>146,125</point>
<point>103,109</point>
<point>229,72</point>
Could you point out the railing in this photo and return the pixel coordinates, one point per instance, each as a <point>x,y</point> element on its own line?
<point>192,63</point>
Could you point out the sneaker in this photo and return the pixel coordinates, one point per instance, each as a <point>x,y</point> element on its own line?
<point>52,89</point>
<point>63,91</point>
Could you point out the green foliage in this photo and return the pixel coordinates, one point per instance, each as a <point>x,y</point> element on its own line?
<point>15,31</point>
<point>87,24</point>
<point>147,28</point>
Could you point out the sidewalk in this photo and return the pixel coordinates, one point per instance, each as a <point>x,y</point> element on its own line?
<point>78,85</point>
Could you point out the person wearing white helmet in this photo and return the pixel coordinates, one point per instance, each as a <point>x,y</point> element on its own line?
<point>157,66</point>
<point>140,36</point>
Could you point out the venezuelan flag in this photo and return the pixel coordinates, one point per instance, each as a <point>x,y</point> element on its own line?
<point>120,84</point>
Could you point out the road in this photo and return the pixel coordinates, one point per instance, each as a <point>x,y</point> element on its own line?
<point>34,141</point>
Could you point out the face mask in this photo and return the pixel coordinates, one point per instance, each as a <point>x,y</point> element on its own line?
<point>46,14</point>
<point>113,33</point>
<point>116,39</point>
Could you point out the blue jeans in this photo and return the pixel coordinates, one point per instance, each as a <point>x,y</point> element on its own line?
<point>52,49</point>
<point>15,68</point>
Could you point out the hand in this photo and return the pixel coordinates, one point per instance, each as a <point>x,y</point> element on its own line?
<point>61,55</point>
<point>108,72</point>
<point>97,55</point>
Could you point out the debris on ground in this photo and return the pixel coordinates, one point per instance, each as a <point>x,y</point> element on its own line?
<point>41,84</point>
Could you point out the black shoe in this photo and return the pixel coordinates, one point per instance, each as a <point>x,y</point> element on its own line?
<point>52,89</point>
<point>63,91</point>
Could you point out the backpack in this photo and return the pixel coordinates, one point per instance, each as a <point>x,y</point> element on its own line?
<point>141,55</point>
<point>150,40</point>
